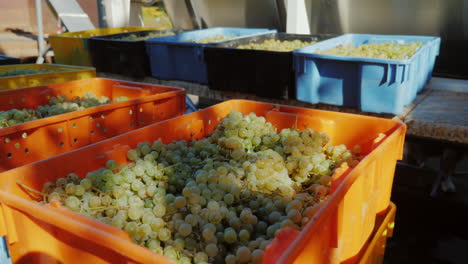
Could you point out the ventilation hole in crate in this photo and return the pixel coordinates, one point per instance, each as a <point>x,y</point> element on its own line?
<point>17,145</point>
<point>23,99</point>
<point>74,125</point>
<point>141,109</point>
<point>131,124</point>
<point>104,129</point>
<point>26,150</point>
<point>60,130</point>
<point>130,112</point>
<point>9,155</point>
<point>61,144</point>
<point>75,140</point>
<point>24,135</point>
<point>90,118</point>
<point>103,116</point>
<point>209,122</point>
<point>7,140</point>
<point>92,132</point>
<point>98,124</point>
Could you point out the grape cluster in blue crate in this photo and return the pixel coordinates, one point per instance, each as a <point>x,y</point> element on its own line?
<point>387,50</point>
<point>135,37</point>
<point>211,39</point>
<point>277,45</point>
<point>220,199</point>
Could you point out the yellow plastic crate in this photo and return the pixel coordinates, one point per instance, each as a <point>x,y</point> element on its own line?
<point>72,47</point>
<point>61,73</point>
<point>374,251</point>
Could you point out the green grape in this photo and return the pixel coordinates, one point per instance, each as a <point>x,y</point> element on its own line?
<point>185,229</point>
<point>387,50</point>
<point>164,234</point>
<point>244,235</point>
<point>230,259</point>
<point>257,256</point>
<point>70,188</point>
<point>73,203</point>
<point>111,165</point>
<point>243,254</point>
<point>135,37</point>
<point>16,72</point>
<point>230,235</point>
<point>211,39</point>
<point>211,250</point>
<point>200,197</point>
<point>276,45</point>
<point>57,105</point>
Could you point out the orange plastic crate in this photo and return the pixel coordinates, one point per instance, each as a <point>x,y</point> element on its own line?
<point>335,234</point>
<point>374,251</point>
<point>43,138</point>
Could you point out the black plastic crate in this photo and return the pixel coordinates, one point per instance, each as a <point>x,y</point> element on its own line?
<point>4,60</point>
<point>112,54</point>
<point>263,73</point>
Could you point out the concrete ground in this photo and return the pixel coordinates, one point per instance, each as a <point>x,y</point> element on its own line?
<point>429,230</point>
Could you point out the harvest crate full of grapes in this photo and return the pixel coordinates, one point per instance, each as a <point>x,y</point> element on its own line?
<point>221,186</point>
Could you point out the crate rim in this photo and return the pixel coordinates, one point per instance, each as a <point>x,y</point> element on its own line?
<point>97,30</point>
<point>160,40</point>
<point>70,69</point>
<point>85,112</point>
<point>110,37</point>
<point>213,45</point>
<point>312,55</point>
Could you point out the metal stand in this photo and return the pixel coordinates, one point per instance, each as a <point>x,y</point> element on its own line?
<point>70,15</point>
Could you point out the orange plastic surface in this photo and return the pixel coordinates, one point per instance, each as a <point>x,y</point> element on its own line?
<point>336,233</point>
<point>43,138</point>
<point>61,73</point>
<point>374,251</point>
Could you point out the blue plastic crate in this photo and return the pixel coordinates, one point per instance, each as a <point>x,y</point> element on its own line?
<point>371,85</point>
<point>173,58</point>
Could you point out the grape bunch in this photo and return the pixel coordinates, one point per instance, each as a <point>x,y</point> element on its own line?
<point>135,37</point>
<point>57,105</point>
<point>16,72</point>
<point>387,50</point>
<point>220,199</point>
<point>277,45</point>
<point>211,39</point>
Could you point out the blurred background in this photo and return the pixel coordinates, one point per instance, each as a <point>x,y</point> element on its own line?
<point>445,18</point>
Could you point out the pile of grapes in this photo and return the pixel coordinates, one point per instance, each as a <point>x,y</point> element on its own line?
<point>221,199</point>
<point>135,37</point>
<point>57,105</point>
<point>16,72</point>
<point>277,45</point>
<point>212,39</point>
<point>387,50</point>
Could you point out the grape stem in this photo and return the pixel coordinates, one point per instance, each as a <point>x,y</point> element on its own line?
<point>34,192</point>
